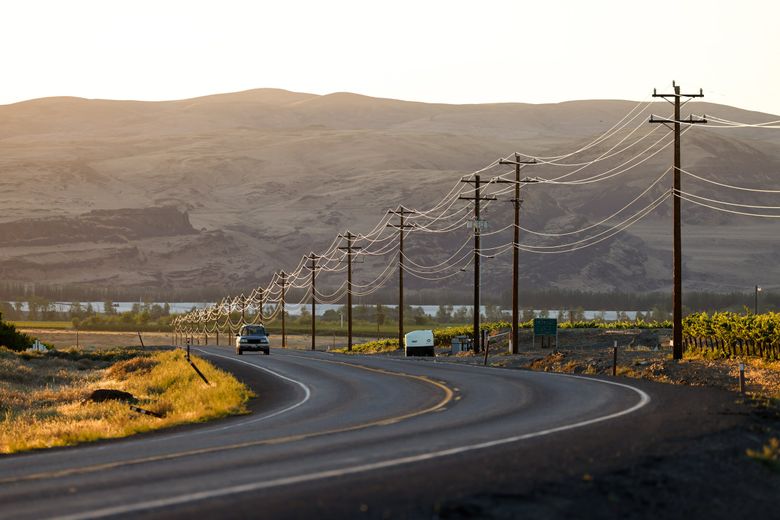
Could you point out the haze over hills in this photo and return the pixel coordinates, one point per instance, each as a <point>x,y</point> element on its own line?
<point>222,191</point>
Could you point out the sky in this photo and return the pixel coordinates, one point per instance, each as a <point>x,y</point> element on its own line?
<point>448,51</point>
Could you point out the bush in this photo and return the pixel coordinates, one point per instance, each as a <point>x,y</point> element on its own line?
<point>12,338</point>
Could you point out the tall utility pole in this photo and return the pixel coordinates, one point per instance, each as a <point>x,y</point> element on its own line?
<point>677,349</point>
<point>313,268</point>
<point>349,248</point>
<point>477,225</point>
<point>282,283</point>
<point>516,247</point>
<point>401,212</point>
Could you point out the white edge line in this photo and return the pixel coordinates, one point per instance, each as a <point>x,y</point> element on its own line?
<point>644,399</point>
<point>306,396</point>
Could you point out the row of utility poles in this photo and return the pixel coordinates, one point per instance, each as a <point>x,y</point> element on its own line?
<point>402,213</point>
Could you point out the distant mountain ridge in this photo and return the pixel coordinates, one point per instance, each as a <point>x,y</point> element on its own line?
<point>267,175</point>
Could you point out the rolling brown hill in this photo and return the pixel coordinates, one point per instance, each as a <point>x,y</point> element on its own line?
<point>256,179</point>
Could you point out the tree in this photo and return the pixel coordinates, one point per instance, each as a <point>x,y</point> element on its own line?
<point>76,310</point>
<point>418,315</point>
<point>380,315</point>
<point>494,313</point>
<point>659,314</point>
<point>444,314</point>
<point>7,309</point>
<point>108,307</point>
<point>11,338</point>
<point>527,315</point>
<point>331,315</point>
<point>461,314</point>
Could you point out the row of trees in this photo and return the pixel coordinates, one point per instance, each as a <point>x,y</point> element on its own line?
<point>536,298</point>
<point>40,309</point>
<point>447,314</point>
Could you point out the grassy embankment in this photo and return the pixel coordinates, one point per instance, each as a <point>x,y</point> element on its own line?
<point>42,396</point>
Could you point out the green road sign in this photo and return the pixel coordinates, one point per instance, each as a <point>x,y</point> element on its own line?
<point>545,326</point>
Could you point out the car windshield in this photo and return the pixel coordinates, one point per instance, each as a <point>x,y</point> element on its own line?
<point>253,331</point>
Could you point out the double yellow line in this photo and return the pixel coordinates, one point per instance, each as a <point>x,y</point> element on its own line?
<point>448,397</point>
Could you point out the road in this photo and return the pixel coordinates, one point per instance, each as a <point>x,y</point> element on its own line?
<point>359,436</point>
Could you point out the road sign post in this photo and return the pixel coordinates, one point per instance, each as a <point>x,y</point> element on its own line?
<point>545,327</point>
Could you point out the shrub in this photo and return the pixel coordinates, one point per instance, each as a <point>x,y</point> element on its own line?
<point>12,338</point>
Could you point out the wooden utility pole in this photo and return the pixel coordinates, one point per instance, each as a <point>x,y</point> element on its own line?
<point>677,349</point>
<point>349,248</point>
<point>401,212</point>
<point>516,247</point>
<point>262,302</point>
<point>313,268</point>
<point>282,282</point>
<point>477,252</point>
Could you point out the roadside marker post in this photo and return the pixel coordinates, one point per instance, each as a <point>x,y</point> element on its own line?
<point>742,378</point>
<point>486,344</point>
<point>141,340</point>
<point>614,359</point>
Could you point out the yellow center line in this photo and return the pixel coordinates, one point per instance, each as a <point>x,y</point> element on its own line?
<point>448,397</point>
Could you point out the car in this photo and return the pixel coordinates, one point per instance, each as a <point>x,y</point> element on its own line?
<point>252,338</point>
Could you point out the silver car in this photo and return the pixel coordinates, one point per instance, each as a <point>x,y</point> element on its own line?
<point>252,338</point>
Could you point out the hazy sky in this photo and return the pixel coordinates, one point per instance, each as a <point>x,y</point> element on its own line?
<point>450,51</point>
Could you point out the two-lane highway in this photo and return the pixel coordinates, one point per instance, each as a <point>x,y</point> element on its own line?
<point>326,434</point>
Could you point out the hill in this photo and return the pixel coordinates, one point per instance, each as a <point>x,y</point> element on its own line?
<point>265,176</point>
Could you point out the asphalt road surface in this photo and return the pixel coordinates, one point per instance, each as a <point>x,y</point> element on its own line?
<point>335,436</point>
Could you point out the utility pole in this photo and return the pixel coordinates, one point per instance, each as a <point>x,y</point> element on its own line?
<point>313,268</point>
<point>677,349</point>
<point>262,302</point>
<point>401,212</point>
<point>349,248</point>
<point>516,246</point>
<point>282,283</point>
<point>477,225</point>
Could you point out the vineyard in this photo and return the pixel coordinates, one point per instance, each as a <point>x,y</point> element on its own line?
<point>723,334</point>
<point>731,334</point>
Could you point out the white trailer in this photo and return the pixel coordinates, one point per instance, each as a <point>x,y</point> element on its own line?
<point>419,343</point>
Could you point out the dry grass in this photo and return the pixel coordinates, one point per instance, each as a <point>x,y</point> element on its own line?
<point>769,454</point>
<point>63,338</point>
<point>42,396</point>
<point>762,377</point>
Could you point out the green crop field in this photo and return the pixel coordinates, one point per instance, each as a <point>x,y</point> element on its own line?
<point>60,325</point>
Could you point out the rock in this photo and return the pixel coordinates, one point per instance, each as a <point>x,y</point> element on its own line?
<point>100,395</point>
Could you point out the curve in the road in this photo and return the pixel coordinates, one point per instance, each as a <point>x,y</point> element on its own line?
<point>448,395</point>
<point>644,400</point>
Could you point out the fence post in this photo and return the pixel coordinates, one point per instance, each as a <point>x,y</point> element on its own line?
<point>741,378</point>
<point>614,359</point>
